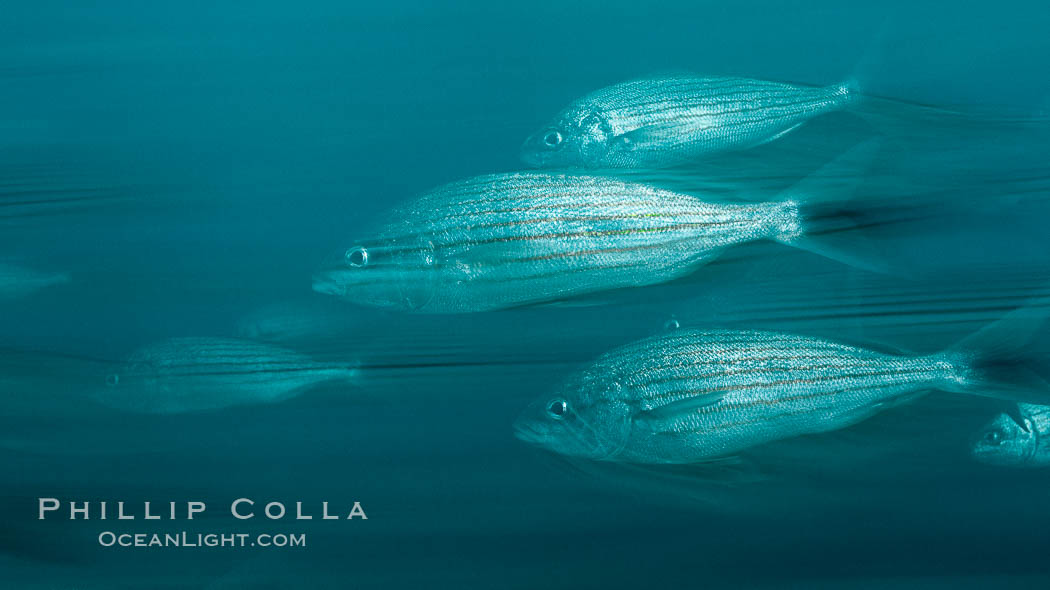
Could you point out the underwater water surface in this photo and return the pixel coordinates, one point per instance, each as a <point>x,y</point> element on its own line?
<point>174,178</point>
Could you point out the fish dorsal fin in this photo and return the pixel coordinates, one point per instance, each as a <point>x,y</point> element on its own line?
<point>1013,411</point>
<point>658,76</point>
<point>1032,408</point>
<point>678,409</point>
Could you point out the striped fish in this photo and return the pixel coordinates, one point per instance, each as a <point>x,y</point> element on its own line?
<point>19,281</point>
<point>693,395</point>
<point>194,374</point>
<point>659,121</point>
<point>1011,442</point>
<point>506,240</point>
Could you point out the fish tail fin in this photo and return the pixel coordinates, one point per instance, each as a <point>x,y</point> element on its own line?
<point>856,86</point>
<point>815,214</point>
<point>880,105</point>
<point>351,373</point>
<point>849,91</point>
<point>852,87</point>
<point>342,372</point>
<point>908,119</point>
<point>1002,360</point>
<point>916,121</point>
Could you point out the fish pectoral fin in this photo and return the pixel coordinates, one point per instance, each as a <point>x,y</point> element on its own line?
<point>678,409</point>
<point>779,135</point>
<point>644,134</point>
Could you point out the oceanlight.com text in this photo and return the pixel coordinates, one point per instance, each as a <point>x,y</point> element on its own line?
<point>206,540</point>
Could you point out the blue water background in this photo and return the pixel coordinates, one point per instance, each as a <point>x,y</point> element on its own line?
<point>189,162</point>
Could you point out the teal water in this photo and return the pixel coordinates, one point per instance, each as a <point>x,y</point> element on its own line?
<point>190,165</point>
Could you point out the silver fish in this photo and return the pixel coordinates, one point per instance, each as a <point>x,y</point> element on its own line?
<point>1007,443</point>
<point>18,281</point>
<point>659,121</point>
<point>194,374</point>
<point>696,395</point>
<point>507,240</point>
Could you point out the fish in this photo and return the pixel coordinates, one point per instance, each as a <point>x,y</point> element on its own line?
<point>525,238</point>
<point>695,396</point>
<point>18,281</point>
<point>294,321</point>
<point>662,120</point>
<point>195,374</point>
<point>1018,441</point>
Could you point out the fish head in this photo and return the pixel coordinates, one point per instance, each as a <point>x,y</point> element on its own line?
<point>131,385</point>
<point>131,374</point>
<point>395,273</point>
<point>1003,442</point>
<point>584,418</point>
<point>577,137</point>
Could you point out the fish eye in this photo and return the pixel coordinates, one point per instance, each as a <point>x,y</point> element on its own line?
<point>993,437</point>
<point>113,380</point>
<point>552,138</point>
<point>557,409</point>
<point>357,257</point>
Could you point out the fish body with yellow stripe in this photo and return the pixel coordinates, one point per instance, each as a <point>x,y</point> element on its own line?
<point>196,374</point>
<point>695,395</point>
<point>507,240</point>
<point>661,120</point>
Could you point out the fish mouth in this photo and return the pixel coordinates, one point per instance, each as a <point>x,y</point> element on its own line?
<point>531,154</point>
<point>995,457</point>
<point>526,432</point>
<point>979,452</point>
<point>325,282</point>
<point>531,160</point>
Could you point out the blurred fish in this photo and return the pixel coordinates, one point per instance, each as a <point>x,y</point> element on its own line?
<point>295,322</point>
<point>507,240</point>
<point>1018,441</point>
<point>18,281</point>
<point>662,120</point>
<point>694,395</point>
<point>193,374</point>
